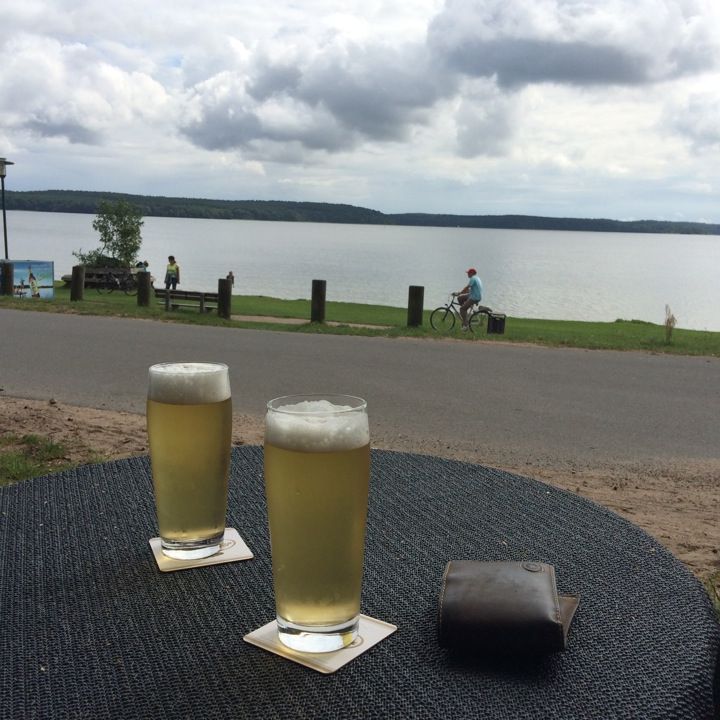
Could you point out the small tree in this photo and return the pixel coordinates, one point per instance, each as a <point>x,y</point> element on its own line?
<point>119,226</point>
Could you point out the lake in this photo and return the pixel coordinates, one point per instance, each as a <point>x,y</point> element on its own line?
<point>525,273</point>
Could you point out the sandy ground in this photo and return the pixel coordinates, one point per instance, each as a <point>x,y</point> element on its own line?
<point>678,504</point>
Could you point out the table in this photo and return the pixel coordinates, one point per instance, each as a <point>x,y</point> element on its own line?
<point>91,629</point>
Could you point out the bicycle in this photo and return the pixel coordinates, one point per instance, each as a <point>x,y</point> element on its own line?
<point>443,318</point>
<point>126,282</point>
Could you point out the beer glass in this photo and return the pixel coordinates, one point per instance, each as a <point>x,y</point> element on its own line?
<point>189,422</point>
<point>317,472</point>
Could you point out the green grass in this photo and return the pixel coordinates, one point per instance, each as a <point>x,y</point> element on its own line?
<point>29,456</point>
<point>391,322</point>
<point>334,311</point>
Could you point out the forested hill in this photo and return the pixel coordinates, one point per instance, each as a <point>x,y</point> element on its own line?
<point>76,201</point>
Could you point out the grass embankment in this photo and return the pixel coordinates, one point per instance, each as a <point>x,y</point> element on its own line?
<point>379,320</point>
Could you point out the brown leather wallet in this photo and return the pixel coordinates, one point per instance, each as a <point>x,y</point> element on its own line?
<point>503,607</point>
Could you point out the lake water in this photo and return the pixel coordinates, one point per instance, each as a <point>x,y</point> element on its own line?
<point>525,273</point>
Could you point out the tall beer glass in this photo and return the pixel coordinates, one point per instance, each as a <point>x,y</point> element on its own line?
<point>189,421</point>
<point>317,470</point>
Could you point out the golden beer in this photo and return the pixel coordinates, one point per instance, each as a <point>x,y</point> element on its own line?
<point>190,430</point>
<point>317,469</point>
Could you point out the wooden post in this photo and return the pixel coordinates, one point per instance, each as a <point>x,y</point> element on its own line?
<point>8,279</point>
<point>416,295</point>
<point>143,282</point>
<point>224,298</point>
<point>317,304</point>
<point>77,284</point>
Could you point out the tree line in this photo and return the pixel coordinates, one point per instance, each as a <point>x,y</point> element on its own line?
<point>78,201</point>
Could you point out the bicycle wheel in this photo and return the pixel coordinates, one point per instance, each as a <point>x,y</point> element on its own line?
<point>105,288</point>
<point>476,320</point>
<point>130,286</point>
<point>442,319</point>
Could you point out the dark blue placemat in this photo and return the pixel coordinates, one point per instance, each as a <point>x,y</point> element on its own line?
<point>91,629</point>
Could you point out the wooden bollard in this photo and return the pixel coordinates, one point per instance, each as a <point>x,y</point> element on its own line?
<point>416,295</point>
<point>77,284</point>
<point>143,283</point>
<point>8,279</point>
<point>224,298</point>
<point>317,303</point>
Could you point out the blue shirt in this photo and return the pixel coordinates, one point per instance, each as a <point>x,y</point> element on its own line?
<point>475,287</point>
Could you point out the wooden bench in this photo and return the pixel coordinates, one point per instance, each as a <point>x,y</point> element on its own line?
<point>174,299</point>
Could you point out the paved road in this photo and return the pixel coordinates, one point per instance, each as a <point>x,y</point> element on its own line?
<point>538,402</point>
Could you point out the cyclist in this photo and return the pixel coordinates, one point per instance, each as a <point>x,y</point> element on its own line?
<point>468,296</point>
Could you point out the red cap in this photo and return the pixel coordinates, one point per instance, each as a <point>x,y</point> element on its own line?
<point>472,271</point>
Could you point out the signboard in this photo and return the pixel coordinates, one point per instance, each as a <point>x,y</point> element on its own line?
<point>33,278</point>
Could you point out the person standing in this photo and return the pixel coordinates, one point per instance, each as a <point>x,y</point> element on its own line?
<point>172,273</point>
<point>469,295</point>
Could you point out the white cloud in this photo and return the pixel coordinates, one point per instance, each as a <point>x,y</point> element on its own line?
<point>697,117</point>
<point>486,121</point>
<point>569,41</point>
<point>463,105</point>
<point>63,90</point>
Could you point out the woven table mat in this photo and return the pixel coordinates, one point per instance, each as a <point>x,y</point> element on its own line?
<point>91,628</point>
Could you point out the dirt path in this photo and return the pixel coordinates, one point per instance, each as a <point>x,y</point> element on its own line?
<point>677,503</point>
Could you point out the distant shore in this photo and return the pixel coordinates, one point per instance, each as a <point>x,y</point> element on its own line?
<point>78,201</point>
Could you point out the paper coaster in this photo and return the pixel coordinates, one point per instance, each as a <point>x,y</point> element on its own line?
<point>370,632</point>
<point>232,548</point>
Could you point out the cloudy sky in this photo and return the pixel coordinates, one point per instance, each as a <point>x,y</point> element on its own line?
<point>575,108</point>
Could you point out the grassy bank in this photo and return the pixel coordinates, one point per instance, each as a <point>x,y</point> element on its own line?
<point>29,456</point>
<point>379,320</point>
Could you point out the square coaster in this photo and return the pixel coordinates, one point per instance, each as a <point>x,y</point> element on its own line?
<point>232,548</point>
<point>370,633</point>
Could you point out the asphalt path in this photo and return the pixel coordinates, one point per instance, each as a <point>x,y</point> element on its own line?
<point>531,401</point>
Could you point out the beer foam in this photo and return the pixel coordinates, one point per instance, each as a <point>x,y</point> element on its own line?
<point>188,383</point>
<point>317,426</point>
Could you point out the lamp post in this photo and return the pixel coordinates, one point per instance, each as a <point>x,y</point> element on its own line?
<point>3,171</point>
